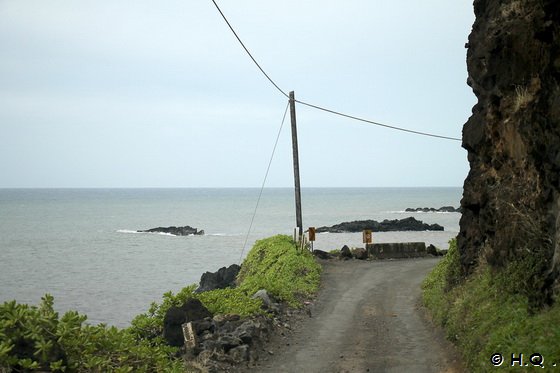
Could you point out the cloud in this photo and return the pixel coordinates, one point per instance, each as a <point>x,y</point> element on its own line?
<point>169,83</point>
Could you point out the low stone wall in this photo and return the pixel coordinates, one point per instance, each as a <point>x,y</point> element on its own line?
<point>397,250</point>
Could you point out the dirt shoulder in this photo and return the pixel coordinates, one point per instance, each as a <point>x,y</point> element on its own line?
<point>366,318</point>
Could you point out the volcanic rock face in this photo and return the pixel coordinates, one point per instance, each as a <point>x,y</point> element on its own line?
<point>511,199</point>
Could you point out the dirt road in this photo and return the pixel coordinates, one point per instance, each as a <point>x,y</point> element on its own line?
<point>366,318</point>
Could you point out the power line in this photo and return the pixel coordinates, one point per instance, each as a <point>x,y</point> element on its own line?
<point>249,53</point>
<point>319,107</point>
<point>376,123</point>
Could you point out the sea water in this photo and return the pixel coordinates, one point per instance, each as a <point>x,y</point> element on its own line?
<point>82,245</point>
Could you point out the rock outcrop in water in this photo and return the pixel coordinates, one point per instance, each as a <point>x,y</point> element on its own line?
<point>432,209</point>
<point>511,200</point>
<point>176,231</point>
<point>406,224</point>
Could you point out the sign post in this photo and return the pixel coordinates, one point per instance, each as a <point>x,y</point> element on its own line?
<point>311,234</point>
<point>367,236</point>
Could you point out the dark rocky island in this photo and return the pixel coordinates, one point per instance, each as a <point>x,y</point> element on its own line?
<point>176,231</point>
<point>406,224</point>
<point>431,209</point>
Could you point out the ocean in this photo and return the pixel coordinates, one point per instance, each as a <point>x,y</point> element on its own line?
<point>81,245</point>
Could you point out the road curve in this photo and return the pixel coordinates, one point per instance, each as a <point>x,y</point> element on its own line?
<point>366,318</point>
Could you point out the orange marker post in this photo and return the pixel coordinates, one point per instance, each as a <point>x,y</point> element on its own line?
<point>367,236</point>
<point>311,234</point>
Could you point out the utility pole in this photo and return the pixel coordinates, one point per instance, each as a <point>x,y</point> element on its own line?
<point>299,223</point>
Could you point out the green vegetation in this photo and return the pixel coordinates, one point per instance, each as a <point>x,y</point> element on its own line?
<point>275,264</point>
<point>490,312</point>
<point>35,338</point>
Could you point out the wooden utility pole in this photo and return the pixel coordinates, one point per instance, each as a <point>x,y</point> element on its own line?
<point>299,223</point>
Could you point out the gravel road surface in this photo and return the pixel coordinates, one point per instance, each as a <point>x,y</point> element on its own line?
<point>366,318</point>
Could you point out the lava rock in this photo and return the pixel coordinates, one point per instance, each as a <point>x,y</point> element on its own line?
<point>432,250</point>
<point>267,301</point>
<point>223,278</point>
<point>345,252</point>
<point>431,209</point>
<point>322,254</point>
<point>176,231</point>
<point>406,224</point>
<point>239,353</point>
<point>201,326</point>
<point>360,253</point>
<point>175,317</point>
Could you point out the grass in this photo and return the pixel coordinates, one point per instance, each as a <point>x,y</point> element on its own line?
<point>522,97</point>
<point>486,314</point>
<point>275,264</point>
<point>35,338</point>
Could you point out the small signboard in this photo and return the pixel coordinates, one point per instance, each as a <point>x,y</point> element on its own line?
<point>367,236</point>
<point>189,335</point>
<point>311,234</point>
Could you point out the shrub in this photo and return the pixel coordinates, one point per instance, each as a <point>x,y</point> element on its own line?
<point>490,313</point>
<point>435,284</point>
<point>276,264</point>
<point>35,338</point>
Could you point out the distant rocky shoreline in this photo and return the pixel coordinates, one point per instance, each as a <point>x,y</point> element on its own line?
<point>176,231</point>
<point>406,224</point>
<point>431,209</point>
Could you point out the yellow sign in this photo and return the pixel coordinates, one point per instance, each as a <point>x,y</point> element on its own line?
<point>367,236</point>
<point>311,234</point>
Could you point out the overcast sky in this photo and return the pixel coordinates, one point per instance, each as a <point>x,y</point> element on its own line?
<point>142,93</point>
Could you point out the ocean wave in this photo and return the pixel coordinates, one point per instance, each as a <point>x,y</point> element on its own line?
<point>128,231</point>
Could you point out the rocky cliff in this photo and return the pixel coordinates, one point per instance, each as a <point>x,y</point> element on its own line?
<point>511,200</point>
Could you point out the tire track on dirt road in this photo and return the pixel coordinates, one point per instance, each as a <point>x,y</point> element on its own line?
<point>367,318</point>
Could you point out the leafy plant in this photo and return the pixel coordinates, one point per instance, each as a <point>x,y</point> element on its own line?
<point>35,338</point>
<point>230,301</point>
<point>490,313</point>
<point>275,264</point>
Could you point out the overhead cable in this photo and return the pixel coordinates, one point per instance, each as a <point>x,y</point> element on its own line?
<point>249,53</point>
<point>376,123</point>
<point>319,107</point>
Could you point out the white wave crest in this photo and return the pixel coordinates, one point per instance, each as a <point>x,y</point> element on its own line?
<point>137,232</point>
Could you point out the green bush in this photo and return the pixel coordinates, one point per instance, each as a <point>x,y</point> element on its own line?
<point>276,264</point>
<point>437,282</point>
<point>230,301</point>
<point>35,338</point>
<point>490,313</point>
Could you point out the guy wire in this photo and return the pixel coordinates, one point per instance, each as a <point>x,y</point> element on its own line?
<point>263,183</point>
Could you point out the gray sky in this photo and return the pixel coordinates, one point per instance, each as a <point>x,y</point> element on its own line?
<point>142,93</point>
